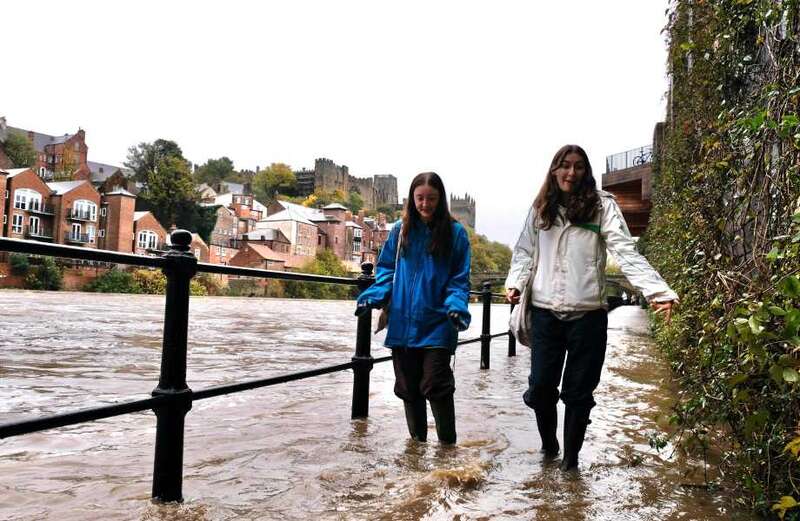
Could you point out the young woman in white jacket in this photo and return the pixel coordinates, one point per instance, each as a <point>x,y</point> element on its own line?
<point>560,258</point>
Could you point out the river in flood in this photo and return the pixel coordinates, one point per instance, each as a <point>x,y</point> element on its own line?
<point>291,451</point>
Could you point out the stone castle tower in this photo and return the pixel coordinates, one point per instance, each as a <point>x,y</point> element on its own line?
<point>385,190</point>
<point>376,191</point>
<point>463,209</point>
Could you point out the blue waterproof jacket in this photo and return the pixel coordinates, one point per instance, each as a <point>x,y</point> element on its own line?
<point>425,288</point>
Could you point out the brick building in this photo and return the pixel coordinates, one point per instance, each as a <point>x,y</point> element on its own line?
<point>58,158</point>
<point>28,212</point>
<point>223,240</point>
<point>149,236</point>
<point>259,256</point>
<point>65,212</point>
<point>199,248</point>
<point>274,238</point>
<point>117,210</point>
<point>303,234</point>
<point>77,206</point>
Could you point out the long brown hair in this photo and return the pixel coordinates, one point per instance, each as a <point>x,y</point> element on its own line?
<point>582,204</point>
<point>441,223</point>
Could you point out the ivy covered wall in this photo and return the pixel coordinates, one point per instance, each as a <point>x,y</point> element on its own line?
<point>725,232</point>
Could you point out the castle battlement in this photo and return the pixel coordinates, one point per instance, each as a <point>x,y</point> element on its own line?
<point>463,209</point>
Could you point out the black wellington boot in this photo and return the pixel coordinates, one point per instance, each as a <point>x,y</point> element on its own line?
<point>417,419</point>
<point>575,422</point>
<point>547,422</point>
<point>445,415</point>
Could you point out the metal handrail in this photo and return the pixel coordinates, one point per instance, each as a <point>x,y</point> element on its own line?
<point>172,398</point>
<point>629,159</point>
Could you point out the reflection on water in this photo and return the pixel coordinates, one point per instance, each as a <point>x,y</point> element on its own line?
<point>291,451</point>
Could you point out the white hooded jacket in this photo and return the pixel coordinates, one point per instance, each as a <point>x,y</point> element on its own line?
<point>567,263</point>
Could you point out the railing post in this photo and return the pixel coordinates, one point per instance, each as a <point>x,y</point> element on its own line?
<point>179,268</point>
<point>362,361</point>
<point>486,298</point>
<point>512,340</point>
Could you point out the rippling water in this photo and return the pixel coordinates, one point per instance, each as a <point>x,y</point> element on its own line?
<point>291,451</point>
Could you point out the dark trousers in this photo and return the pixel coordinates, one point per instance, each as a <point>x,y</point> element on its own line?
<point>422,373</point>
<point>582,343</point>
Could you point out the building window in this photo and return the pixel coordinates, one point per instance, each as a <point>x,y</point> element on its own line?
<point>84,209</point>
<point>90,232</point>
<point>25,199</point>
<point>16,223</point>
<point>356,247</point>
<point>75,233</point>
<point>103,211</point>
<point>101,233</point>
<point>147,239</point>
<point>356,233</point>
<point>42,171</point>
<point>34,225</point>
<point>197,252</point>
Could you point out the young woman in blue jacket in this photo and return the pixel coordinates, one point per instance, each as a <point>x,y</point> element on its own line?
<point>422,277</point>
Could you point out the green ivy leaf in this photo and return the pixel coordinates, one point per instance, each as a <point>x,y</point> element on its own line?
<point>790,375</point>
<point>736,379</point>
<point>776,373</point>
<point>790,120</point>
<point>741,396</point>
<point>777,311</point>
<point>755,325</point>
<point>755,422</point>
<point>790,286</point>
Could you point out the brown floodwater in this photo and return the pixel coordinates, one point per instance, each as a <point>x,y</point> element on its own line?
<point>291,451</point>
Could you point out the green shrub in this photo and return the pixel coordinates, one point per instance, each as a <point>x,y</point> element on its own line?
<point>152,282</point>
<point>325,263</point>
<point>243,288</point>
<point>197,289</point>
<point>47,275</point>
<point>19,264</point>
<point>212,283</point>
<point>114,281</point>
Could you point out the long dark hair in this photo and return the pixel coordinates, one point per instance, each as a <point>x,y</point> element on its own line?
<point>582,204</point>
<point>441,223</point>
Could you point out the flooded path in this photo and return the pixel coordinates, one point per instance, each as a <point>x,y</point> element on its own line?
<point>291,451</point>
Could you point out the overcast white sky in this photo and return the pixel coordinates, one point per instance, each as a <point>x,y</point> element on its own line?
<point>481,92</point>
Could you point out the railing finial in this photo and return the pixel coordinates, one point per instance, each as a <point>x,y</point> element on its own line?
<point>180,240</point>
<point>366,269</point>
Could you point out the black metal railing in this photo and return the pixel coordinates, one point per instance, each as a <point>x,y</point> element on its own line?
<point>39,233</point>
<point>629,158</point>
<point>80,238</point>
<point>42,208</point>
<point>172,398</point>
<point>77,214</point>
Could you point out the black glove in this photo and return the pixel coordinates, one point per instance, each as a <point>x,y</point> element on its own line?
<point>361,309</point>
<point>456,320</point>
